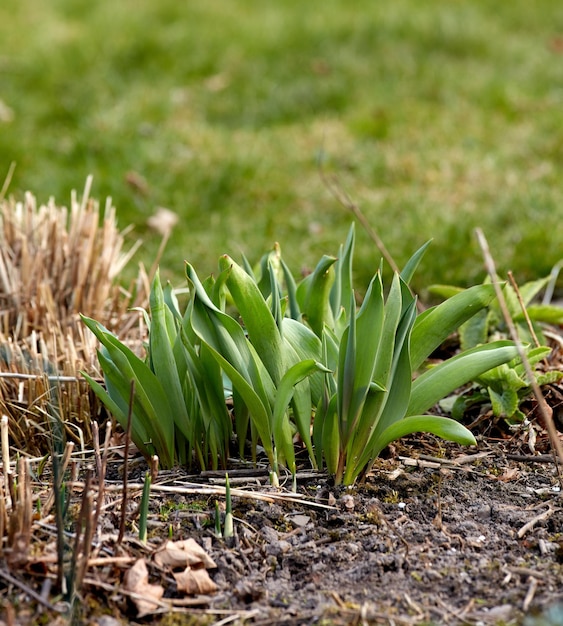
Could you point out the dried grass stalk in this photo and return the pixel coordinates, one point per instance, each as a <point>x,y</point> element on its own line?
<point>57,262</point>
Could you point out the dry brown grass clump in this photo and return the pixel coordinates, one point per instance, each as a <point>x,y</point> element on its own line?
<point>55,263</point>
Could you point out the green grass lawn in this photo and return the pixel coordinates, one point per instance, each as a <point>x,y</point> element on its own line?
<point>436,116</point>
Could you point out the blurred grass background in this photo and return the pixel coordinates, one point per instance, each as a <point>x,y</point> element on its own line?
<point>436,116</point>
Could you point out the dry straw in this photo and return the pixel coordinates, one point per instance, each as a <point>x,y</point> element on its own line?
<point>57,262</point>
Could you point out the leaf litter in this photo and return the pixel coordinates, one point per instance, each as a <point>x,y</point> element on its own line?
<point>435,534</point>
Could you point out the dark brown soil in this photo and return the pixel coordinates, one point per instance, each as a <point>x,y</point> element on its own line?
<point>472,537</point>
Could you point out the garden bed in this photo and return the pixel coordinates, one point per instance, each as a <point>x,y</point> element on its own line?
<point>436,534</point>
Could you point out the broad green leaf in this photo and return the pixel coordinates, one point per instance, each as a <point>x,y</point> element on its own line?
<point>445,291</point>
<point>172,302</point>
<point>291,286</point>
<point>546,313</point>
<point>258,320</point>
<point>475,331</point>
<point>313,294</point>
<point>501,376</point>
<point>440,426</point>
<point>341,289</point>
<point>548,378</point>
<point>122,366</point>
<point>330,436</point>
<point>443,379</point>
<point>161,339</point>
<point>528,291</point>
<point>504,404</point>
<point>225,335</point>
<point>259,411</point>
<point>382,410</point>
<point>412,264</point>
<point>369,322</point>
<point>434,325</point>
<point>275,304</point>
<point>282,432</point>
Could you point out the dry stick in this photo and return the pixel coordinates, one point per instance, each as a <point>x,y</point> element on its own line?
<point>333,185</point>
<point>215,490</point>
<point>530,594</point>
<point>30,592</point>
<point>524,309</point>
<point>62,379</point>
<point>160,252</point>
<point>7,180</point>
<point>82,537</point>
<point>6,459</point>
<point>90,524</point>
<point>545,410</point>
<point>100,469</point>
<point>126,463</point>
<point>539,518</point>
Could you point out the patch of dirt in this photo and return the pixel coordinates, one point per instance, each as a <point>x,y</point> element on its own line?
<point>475,544</point>
<point>469,537</point>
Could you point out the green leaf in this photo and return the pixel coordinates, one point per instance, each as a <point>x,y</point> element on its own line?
<point>445,291</point>
<point>357,359</point>
<point>440,426</point>
<point>412,264</point>
<point>528,291</point>
<point>283,438</point>
<point>313,294</point>
<point>294,310</point>
<point>500,377</point>
<point>260,324</point>
<point>161,340</point>
<point>504,404</point>
<point>236,356</point>
<point>434,325</point>
<point>441,380</point>
<point>331,444</point>
<point>341,289</point>
<point>546,313</point>
<point>152,411</point>
<point>475,331</point>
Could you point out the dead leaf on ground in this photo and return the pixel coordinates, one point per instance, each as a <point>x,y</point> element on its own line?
<point>509,474</point>
<point>179,554</point>
<point>195,581</point>
<point>193,560</point>
<point>137,580</point>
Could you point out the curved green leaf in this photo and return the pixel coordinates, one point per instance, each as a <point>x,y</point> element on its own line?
<point>443,427</point>
<point>313,294</point>
<point>412,264</point>
<point>434,325</point>
<point>260,324</point>
<point>441,380</point>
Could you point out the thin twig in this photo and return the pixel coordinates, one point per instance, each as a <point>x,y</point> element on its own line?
<point>192,489</point>
<point>30,592</point>
<point>7,180</point>
<point>545,410</point>
<point>538,518</point>
<point>126,462</point>
<point>524,309</point>
<point>530,594</point>
<point>60,379</point>
<point>332,183</point>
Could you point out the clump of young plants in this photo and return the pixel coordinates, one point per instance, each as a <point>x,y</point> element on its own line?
<point>299,361</point>
<point>505,387</point>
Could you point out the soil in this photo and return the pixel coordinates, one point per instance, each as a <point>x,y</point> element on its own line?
<point>435,534</point>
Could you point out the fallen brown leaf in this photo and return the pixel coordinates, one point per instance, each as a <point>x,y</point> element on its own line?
<point>195,581</point>
<point>179,554</point>
<point>137,580</point>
